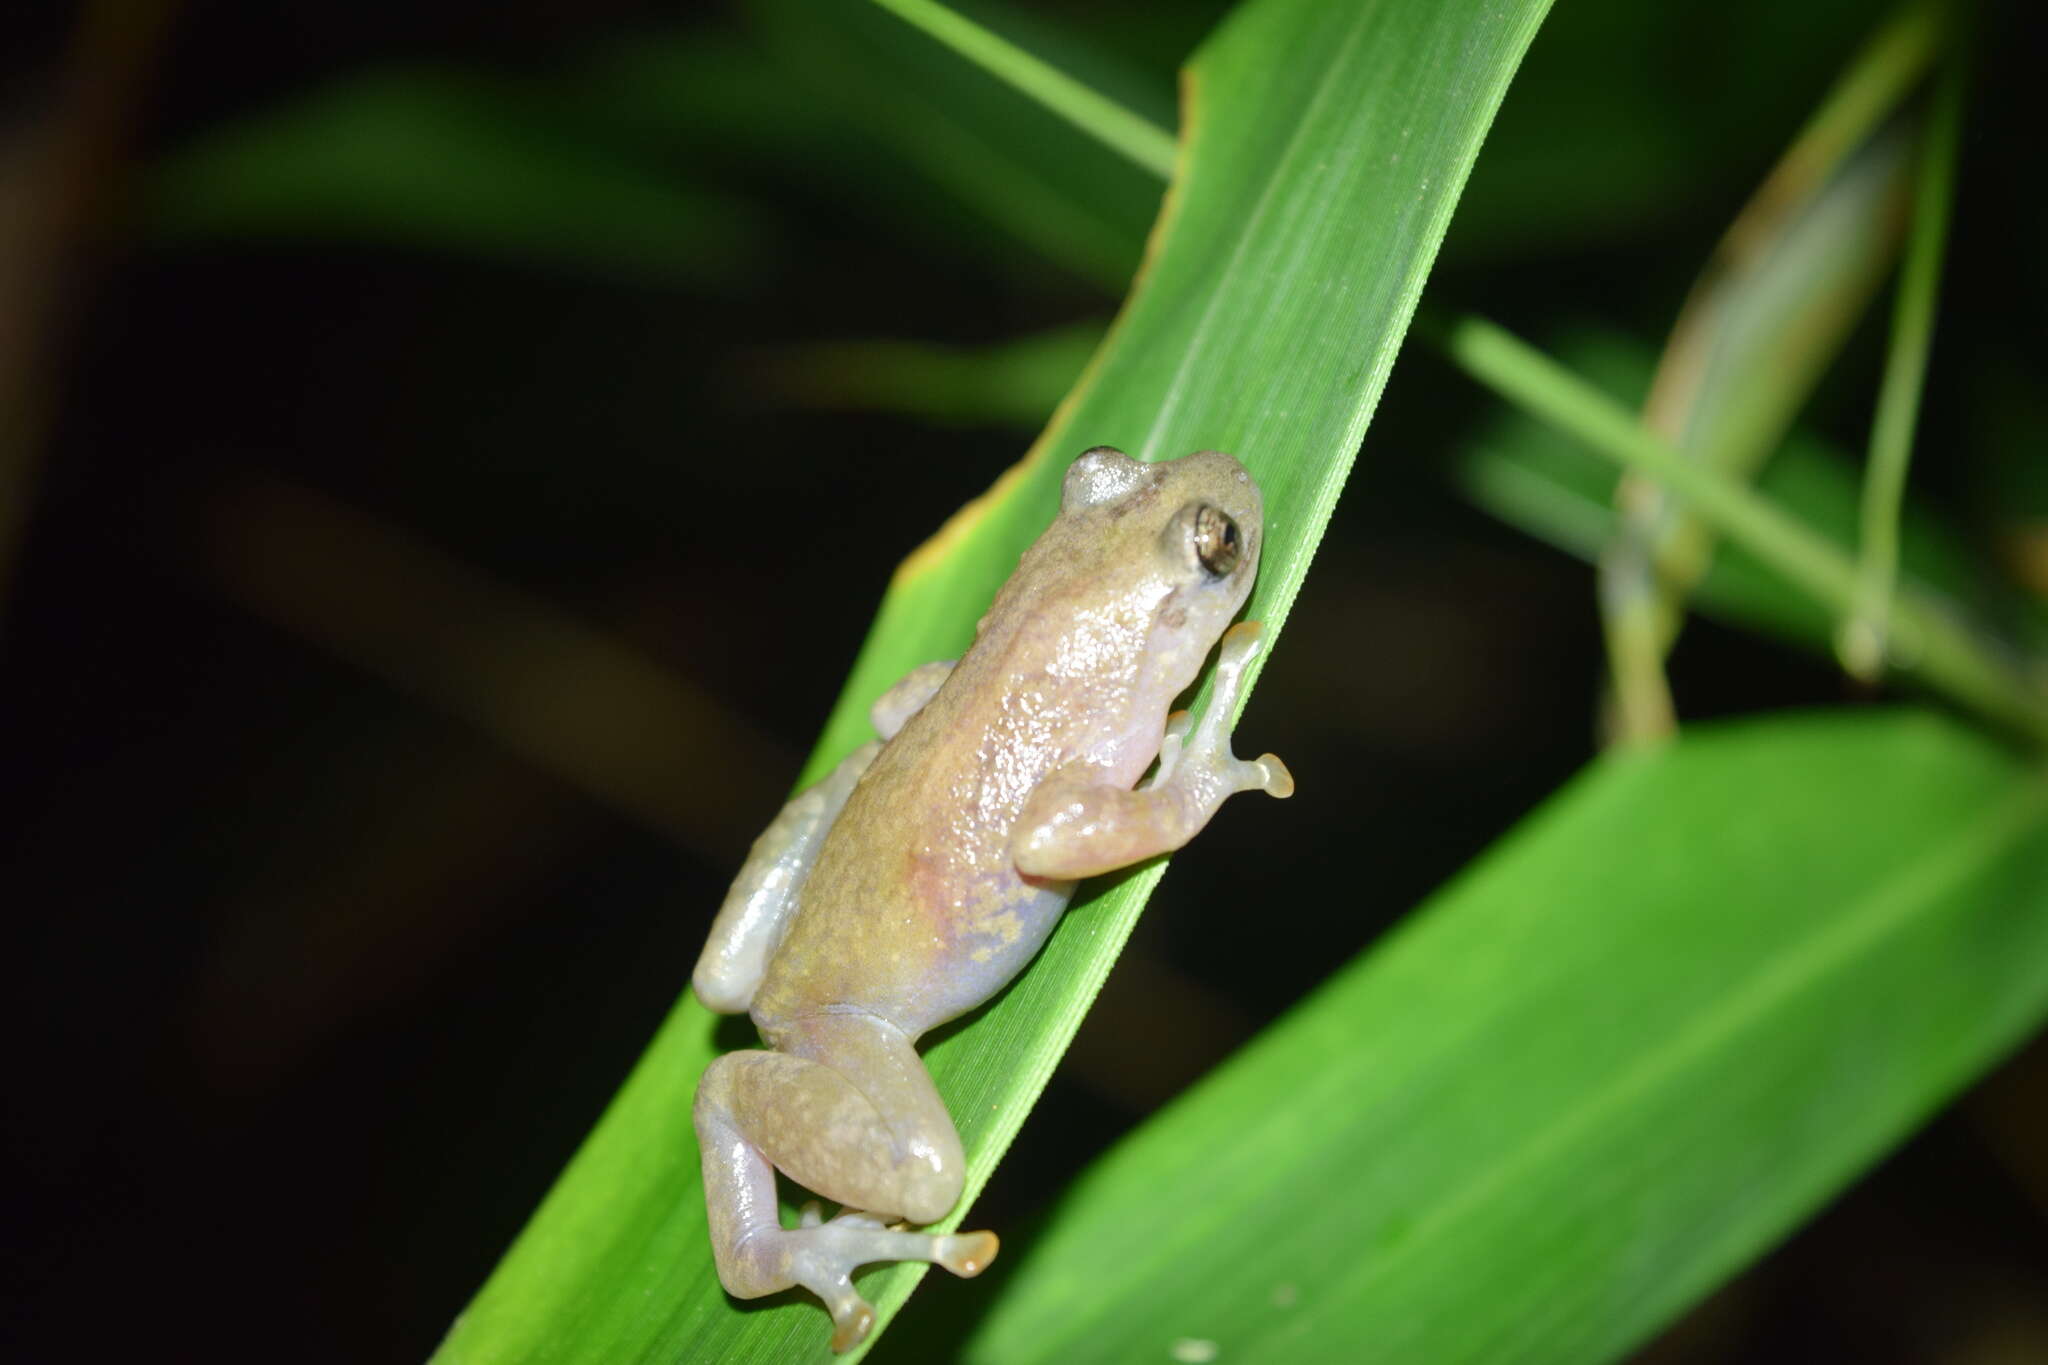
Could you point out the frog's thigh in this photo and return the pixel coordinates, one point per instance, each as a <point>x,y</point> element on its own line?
<point>846,1108</point>
<point>757,909</point>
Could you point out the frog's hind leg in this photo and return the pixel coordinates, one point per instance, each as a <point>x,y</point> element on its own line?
<point>894,708</point>
<point>867,1130</point>
<point>763,898</point>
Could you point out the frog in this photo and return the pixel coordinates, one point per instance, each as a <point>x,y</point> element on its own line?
<point>921,875</point>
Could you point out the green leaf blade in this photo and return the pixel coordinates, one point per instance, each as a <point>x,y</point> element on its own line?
<point>1143,144</point>
<point>1609,1065</point>
<point>1025,172</point>
<point>1547,483</point>
<point>1326,149</point>
<point>448,161</point>
<point>1542,481</point>
<point>599,1213</point>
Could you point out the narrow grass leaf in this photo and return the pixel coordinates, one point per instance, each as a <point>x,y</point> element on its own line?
<point>1864,644</point>
<point>1949,654</point>
<point>1027,174</point>
<point>449,161</point>
<point>1138,141</point>
<point>1012,381</point>
<point>1325,150</point>
<point>1540,480</point>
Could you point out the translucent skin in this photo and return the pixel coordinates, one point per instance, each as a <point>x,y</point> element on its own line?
<point>918,880</point>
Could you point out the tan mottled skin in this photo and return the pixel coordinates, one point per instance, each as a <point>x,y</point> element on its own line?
<point>952,857</point>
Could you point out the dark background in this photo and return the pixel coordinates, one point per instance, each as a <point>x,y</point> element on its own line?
<point>317,979</point>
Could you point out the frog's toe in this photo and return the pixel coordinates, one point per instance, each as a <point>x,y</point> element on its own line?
<point>822,1259</point>
<point>860,1218</point>
<point>831,1279</point>
<point>851,1325</point>
<point>1278,781</point>
<point>1171,745</point>
<point>966,1254</point>
<point>1242,640</point>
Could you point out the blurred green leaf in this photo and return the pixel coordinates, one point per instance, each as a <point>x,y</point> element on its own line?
<point>1031,176</point>
<point>1327,146</point>
<point>613,160</point>
<point>1774,306</point>
<point>1138,140</point>
<point>717,107</point>
<point>1013,381</point>
<point>1664,1020</point>
<point>1863,645</point>
<point>1535,477</point>
<point>1142,84</point>
<point>1629,118</point>
<point>1949,650</point>
<point>1765,319</point>
<point>447,160</point>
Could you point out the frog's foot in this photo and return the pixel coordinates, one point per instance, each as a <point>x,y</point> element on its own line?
<point>822,1256</point>
<point>1170,745</point>
<point>1205,749</point>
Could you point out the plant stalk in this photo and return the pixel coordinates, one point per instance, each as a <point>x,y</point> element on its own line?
<point>1138,139</point>
<point>1864,642</point>
<point>1932,640</point>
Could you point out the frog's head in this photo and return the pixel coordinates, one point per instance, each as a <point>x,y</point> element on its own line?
<point>1191,528</point>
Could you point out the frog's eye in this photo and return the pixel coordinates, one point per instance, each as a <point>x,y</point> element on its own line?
<point>1217,545</point>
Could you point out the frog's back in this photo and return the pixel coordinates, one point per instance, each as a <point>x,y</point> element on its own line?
<point>915,909</point>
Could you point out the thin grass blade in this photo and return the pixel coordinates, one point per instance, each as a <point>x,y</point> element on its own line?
<point>1541,481</point>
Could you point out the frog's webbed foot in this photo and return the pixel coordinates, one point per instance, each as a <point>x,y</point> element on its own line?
<point>822,1255</point>
<point>894,1154</point>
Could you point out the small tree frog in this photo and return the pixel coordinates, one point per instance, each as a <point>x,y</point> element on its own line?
<point>921,875</point>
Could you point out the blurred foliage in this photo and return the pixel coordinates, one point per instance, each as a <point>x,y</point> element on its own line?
<point>432,158</point>
<point>1768,315</point>
<point>569,383</point>
<point>1549,485</point>
<point>1013,381</point>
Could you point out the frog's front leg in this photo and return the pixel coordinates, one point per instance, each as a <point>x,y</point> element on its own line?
<point>1074,827</point>
<point>764,895</point>
<point>845,1107</point>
